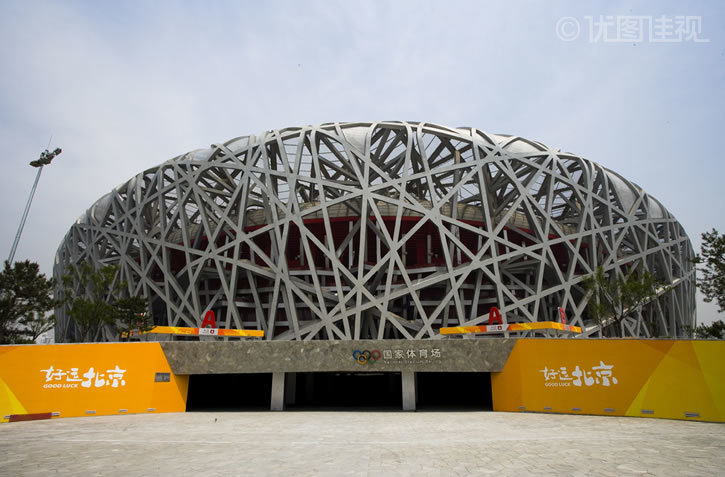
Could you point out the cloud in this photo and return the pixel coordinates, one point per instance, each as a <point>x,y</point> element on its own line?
<point>122,87</point>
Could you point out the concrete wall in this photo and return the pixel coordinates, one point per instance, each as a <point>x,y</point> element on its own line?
<point>188,357</point>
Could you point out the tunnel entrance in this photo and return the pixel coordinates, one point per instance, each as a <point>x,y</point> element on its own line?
<point>454,391</point>
<point>440,391</point>
<point>229,392</point>
<point>345,390</point>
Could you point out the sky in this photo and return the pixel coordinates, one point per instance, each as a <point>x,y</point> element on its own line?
<point>122,86</point>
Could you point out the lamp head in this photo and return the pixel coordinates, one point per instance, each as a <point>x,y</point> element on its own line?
<point>46,157</point>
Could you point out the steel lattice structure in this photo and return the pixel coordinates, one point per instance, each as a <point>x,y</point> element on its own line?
<point>380,230</point>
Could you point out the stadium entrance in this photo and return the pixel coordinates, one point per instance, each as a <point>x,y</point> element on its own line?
<point>454,391</point>
<point>426,391</point>
<point>382,374</point>
<point>344,390</point>
<point>229,392</point>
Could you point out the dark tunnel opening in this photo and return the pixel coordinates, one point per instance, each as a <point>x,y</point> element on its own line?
<point>454,391</point>
<point>333,390</point>
<point>229,392</point>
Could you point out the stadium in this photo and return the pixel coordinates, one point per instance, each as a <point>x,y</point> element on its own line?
<point>362,254</point>
<point>387,230</point>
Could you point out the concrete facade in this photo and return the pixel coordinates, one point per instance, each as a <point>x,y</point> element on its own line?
<point>285,358</point>
<point>456,355</point>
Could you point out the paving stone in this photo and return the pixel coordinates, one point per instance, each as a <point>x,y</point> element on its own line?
<point>361,444</point>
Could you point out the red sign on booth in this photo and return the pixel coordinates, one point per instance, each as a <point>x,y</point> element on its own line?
<point>494,316</point>
<point>209,320</point>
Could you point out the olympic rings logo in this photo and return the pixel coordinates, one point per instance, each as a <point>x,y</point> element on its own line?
<point>366,357</point>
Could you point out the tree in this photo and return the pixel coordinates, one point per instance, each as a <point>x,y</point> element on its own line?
<point>94,299</point>
<point>24,292</point>
<point>712,278</point>
<point>715,330</point>
<point>37,324</point>
<point>92,308</point>
<point>617,297</point>
<point>132,313</point>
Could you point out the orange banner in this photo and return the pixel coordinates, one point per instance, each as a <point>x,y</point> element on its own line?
<point>178,330</point>
<point>649,378</point>
<point>87,379</point>
<point>539,325</point>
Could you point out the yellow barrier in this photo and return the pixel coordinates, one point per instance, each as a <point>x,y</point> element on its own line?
<point>178,330</point>
<point>88,379</point>
<point>648,378</point>
<point>540,325</point>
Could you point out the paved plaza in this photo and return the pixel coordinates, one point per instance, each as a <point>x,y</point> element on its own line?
<point>361,443</point>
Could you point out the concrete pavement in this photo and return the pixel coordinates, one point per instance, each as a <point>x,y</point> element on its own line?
<point>361,443</point>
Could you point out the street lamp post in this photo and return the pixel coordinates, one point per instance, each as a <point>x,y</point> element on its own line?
<point>45,158</point>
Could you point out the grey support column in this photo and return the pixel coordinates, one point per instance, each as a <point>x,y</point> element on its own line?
<point>277,401</point>
<point>409,390</point>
